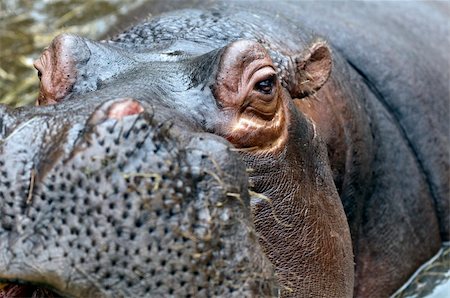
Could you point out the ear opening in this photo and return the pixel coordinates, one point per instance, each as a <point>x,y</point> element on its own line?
<point>312,69</point>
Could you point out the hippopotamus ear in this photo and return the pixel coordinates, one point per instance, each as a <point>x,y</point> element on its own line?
<point>58,67</point>
<point>312,69</point>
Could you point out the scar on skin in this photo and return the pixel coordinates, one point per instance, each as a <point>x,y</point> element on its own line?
<point>31,188</point>
<point>267,199</point>
<point>124,108</point>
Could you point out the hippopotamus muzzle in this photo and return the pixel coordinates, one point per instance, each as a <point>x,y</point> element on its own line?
<point>125,203</point>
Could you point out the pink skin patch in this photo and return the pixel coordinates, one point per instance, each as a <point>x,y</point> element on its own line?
<point>124,108</point>
<point>117,109</point>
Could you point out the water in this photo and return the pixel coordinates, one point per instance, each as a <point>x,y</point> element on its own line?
<point>27,27</point>
<point>432,280</point>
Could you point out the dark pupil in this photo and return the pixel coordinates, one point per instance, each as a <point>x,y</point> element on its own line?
<point>265,86</point>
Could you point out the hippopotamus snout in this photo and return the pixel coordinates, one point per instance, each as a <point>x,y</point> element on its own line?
<point>133,207</point>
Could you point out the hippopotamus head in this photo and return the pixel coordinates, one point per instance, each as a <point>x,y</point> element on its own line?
<point>174,168</point>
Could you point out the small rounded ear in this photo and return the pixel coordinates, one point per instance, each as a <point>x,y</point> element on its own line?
<point>58,67</point>
<point>312,69</point>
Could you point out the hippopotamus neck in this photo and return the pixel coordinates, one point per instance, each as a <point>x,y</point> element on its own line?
<point>283,190</point>
<point>342,120</point>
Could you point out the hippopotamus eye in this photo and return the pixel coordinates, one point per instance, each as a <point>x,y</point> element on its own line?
<point>265,86</point>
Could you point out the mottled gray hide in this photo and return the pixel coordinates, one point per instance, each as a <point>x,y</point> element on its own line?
<point>127,207</point>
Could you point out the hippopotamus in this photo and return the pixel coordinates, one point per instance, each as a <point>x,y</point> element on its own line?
<point>293,150</point>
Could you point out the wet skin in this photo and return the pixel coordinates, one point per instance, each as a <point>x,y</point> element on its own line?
<point>231,152</point>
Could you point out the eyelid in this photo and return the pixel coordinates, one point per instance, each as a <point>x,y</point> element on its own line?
<point>270,78</point>
<point>257,102</point>
<point>262,74</point>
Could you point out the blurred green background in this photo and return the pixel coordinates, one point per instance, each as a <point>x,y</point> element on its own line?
<point>27,27</point>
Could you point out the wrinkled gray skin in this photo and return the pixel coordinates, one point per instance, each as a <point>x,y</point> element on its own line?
<point>158,203</point>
